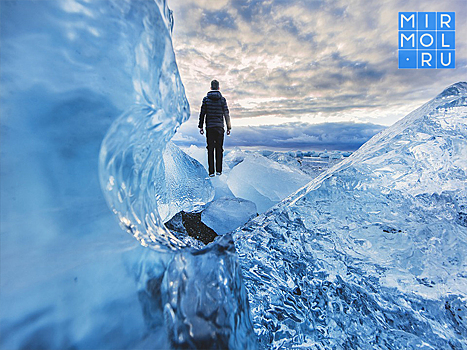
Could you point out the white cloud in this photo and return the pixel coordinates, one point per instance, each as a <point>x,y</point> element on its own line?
<point>313,61</point>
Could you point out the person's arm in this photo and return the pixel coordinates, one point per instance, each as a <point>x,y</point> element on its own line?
<point>225,109</point>
<point>202,114</point>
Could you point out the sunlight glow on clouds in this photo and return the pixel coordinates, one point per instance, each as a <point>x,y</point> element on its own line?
<point>266,120</point>
<point>308,61</point>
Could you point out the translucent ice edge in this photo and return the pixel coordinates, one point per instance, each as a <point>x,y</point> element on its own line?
<point>145,178</point>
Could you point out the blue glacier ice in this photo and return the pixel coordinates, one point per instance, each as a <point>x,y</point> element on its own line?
<point>260,176</point>
<point>65,269</point>
<point>90,97</point>
<point>372,253</point>
<point>262,180</point>
<point>226,214</point>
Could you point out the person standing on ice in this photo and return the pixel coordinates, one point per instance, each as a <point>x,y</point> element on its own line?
<point>214,110</point>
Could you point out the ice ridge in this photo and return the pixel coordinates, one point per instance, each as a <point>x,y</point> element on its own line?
<point>370,254</point>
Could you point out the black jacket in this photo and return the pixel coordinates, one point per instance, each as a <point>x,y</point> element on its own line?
<point>215,109</point>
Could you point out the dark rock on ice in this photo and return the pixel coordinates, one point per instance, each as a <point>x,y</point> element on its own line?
<point>191,224</point>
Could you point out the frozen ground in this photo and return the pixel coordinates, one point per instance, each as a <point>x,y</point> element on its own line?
<point>254,181</point>
<point>266,177</point>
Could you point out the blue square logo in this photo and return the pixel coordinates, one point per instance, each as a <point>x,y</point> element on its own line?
<point>407,59</point>
<point>446,59</point>
<point>427,40</point>
<point>407,20</point>
<point>445,21</point>
<point>426,21</point>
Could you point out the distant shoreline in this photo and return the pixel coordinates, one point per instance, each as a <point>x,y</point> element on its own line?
<point>261,148</point>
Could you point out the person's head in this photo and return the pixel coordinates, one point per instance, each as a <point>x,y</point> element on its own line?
<point>214,85</point>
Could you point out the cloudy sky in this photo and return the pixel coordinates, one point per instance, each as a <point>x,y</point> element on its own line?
<point>305,74</point>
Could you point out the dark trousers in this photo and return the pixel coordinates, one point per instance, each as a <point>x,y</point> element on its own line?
<point>215,141</point>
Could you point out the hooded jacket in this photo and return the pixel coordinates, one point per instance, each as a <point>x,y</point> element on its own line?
<point>215,110</point>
